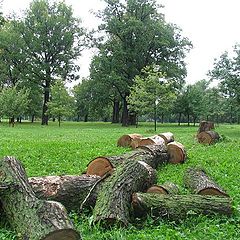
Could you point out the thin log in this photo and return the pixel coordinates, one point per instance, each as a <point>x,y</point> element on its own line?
<point>205,126</point>
<point>208,137</point>
<point>166,188</point>
<point>113,204</point>
<point>71,191</point>
<point>177,153</point>
<point>176,207</point>
<point>167,137</point>
<point>198,182</point>
<point>126,140</point>
<point>153,155</point>
<point>30,217</point>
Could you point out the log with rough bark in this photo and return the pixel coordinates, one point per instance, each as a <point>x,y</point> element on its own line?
<point>176,152</point>
<point>208,137</point>
<point>166,188</point>
<point>153,155</point>
<point>198,182</point>
<point>113,204</point>
<point>167,137</point>
<point>30,217</point>
<point>205,126</point>
<point>71,191</point>
<point>126,140</point>
<point>176,207</point>
<point>153,140</point>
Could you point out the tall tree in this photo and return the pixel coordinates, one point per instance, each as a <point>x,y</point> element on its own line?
<point>51,40</point>
<point>137,35</point>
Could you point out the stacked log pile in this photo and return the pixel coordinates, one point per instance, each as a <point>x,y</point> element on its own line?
<point>205,134</point>
<point>117,188</point>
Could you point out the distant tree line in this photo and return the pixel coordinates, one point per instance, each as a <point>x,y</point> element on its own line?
<point>137,73</point>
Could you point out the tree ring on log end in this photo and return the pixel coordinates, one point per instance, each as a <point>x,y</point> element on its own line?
<point>99,166</point>
<point>63,234</point>
<point>176,153</point>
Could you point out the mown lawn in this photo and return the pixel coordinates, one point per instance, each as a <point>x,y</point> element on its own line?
<point>67,150</point>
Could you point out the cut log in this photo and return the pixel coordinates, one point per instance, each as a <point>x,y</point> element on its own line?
<point>176,152</point>
<point>167,137</point>
<point>154,140</point>
<point>198,182</point>
<point>205,126</point>
<point>152,155</point>
<point>126,140</point>
<point>114,199</point>
<point>176,207</point>
<point>71,191</point>
<point>30,217</point>
<point>166,188</point>
<point>208,137</point>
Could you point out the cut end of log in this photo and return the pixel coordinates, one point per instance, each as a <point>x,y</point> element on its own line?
<point>157,189</point>
<point>126,140</point>
<point>99,166</point>
<point>213,191</point>
<point>63,234</point>
<point>154,140</point>
<point>208,137</point>
<point>167,137</point>
<point>176,152</point>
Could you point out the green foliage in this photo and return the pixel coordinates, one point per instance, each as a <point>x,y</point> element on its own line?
<point>13,102</point>
<point>61,104</point>
<point>71,147</point>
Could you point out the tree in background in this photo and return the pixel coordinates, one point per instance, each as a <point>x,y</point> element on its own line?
<point>61,104</point>
<point>149,91</point>
<point>136,35</point>
<point>48,41</point>
<point>13,102</point>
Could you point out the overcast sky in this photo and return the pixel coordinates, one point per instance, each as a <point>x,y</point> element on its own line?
<point>211,25</point>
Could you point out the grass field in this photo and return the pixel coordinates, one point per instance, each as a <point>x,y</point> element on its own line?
<point>67,150</point>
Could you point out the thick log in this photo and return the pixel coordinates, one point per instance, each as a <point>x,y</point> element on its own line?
<point>177,153</point>
<point>126,140</point>
<point>205,126</point>
<point>176,207</point>
<point>153,155</point>
<point>198,182</point>
<point>167,137</point>
<point>153,140</point>
<point>114,199</point>
<point>166,188</point>
<point>71,191</point>
<point>208,137</point>
<point>30,217</point>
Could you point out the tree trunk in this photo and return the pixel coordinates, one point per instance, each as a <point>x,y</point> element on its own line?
<point>132,119</point>
<point>12,121</point>
<point>188,119</point>
<point>45,103</point>
<point>59,121</point>
<point>30,217</point>
<point>199,183</point>
<point>179,119</point>
<point>32,118</point>
<point>166,188</point>
<point>162,118</point>
<point>125,113</point>
<point>114,199</point>
<point>152,155</point>
<point>86,117</point>
<point>176,207</point>
<point>208,137</point>
<point>115,114</point>
<point>71,191</point>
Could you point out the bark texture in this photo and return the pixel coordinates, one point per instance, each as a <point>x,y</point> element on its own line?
<point>30,217</point>
<point>153,155</point>
<point>114,199</point>
<point>177,153</point>
<point>176,207</point>
<point>208,137</point>
<point>71,191</point>
<point>199,183</point>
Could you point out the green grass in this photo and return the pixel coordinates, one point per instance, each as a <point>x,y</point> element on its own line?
<point>67,150</point>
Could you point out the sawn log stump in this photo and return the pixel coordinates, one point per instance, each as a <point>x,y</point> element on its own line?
<point>208,137</point>
<point>177,153</point>
<point>30,217</point>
